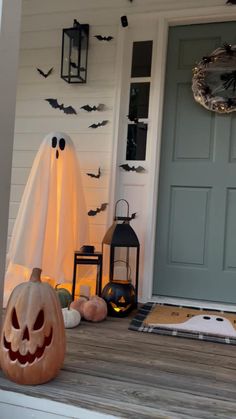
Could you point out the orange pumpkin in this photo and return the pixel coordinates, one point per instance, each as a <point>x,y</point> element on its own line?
<point>32,345</point>
<point>93,309</point>
<point>79,305</point>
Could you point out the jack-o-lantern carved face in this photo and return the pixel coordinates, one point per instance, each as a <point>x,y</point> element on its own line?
<point>120,298</point>
<point>33,335</point>
<point>25,337</point>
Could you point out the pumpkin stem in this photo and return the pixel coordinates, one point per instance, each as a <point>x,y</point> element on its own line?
<point>35,275</point>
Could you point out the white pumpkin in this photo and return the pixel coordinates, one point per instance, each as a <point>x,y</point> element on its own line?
<point>71,317</point>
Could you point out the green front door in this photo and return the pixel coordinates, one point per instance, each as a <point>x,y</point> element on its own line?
<point>195,251</point>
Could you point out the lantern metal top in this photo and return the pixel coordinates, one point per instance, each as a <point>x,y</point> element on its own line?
<point>121,234</point>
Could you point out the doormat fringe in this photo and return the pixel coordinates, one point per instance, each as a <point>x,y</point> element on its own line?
<point>188,322</point>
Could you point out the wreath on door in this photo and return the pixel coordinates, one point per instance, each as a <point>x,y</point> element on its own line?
<point>214,80</point>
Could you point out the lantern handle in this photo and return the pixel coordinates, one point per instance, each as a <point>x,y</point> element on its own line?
<point>122,218</point>
<point>127,265</point>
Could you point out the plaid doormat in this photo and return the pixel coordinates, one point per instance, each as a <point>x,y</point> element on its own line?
<point>189,322</point>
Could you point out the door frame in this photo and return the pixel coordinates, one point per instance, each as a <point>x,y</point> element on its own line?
<point>164,20</point>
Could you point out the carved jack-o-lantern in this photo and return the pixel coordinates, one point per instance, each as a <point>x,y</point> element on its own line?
<point>32,346</point>
<point>120,298</point>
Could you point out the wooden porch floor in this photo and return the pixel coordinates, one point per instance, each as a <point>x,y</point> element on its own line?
<point>138,375</point>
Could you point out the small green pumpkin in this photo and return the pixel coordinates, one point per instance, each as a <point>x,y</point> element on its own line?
<point>64,295</point>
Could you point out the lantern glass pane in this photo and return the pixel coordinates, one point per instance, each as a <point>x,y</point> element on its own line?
<point>65,57</point>
<point>74,60</point>
<point>125,264</point>
<point>74,54</point>
<point>83,54</point>
<point>85,280</point>
<point>105,264</point>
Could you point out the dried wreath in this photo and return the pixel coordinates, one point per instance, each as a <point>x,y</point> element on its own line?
<point>214,80</point>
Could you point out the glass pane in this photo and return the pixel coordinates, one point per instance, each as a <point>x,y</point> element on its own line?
<point>142,59</point>
<point>65,56</point>
<point>74,56</point>
<point>138,100</point>
<point>125,264</point>
<point>136,141</point>
<point>83,55</point>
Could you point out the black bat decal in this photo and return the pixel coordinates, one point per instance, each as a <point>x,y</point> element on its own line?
<point>99,124</point>
<point>229,80</point>
<point>103,38</point>
<point>89,108</point>
<point>231,2</point>
<point>93,175</point>
<point>231,102</point>
<point>66,109</point>
<point>207,60</point>
<point>133,118</point>
<point>129,168</point>
<point>127,219</point>
<point>74,65</point>
<point>92,213</point>
<point>228,48</point>
<point>41,72</point>
<point>133,216</point>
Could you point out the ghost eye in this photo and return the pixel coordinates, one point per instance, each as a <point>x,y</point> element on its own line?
<point>54,142</point>
<point>62,143</point>
<point>39,321</point>
<point>15,322</point>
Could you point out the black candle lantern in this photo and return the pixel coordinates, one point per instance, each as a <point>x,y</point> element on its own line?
<point>120,246</point>
<point>74,53</point>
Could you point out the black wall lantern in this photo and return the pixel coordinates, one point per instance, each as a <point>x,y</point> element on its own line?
<point>120,246</point>
<point>75,53</point>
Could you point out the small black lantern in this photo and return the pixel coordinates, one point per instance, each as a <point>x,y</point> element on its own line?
<point>121,244</point>
<point>75,53</point>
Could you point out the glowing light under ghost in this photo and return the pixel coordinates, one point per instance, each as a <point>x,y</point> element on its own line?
<point>52,218</point>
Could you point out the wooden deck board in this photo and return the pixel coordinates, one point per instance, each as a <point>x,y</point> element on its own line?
<point>139,375</point>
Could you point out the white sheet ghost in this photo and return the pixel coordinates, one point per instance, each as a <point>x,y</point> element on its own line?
<point>52,219</point>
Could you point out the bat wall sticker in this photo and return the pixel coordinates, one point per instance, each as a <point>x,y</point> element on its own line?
<point>89,108</point>
<point>132,217</point>
<point>45,75</point>
<point>92,213</point>
<point>74,65</point>
<point>103,38</point>
<point>66,109</point>
<point>95,176</point>
<point>129,168</point>
<point>133,118</point>
<point>99,124</point>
